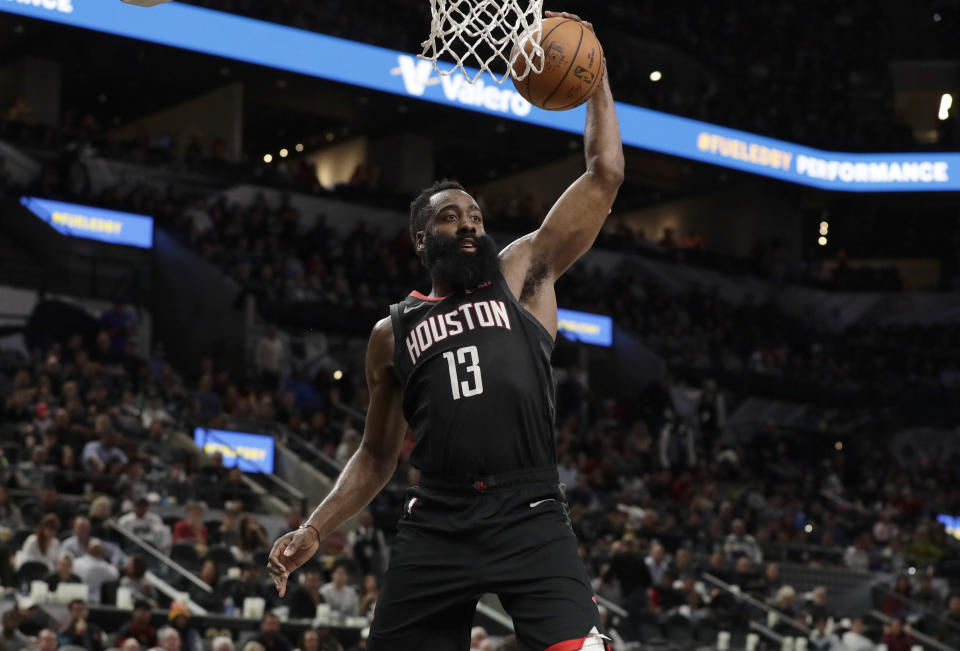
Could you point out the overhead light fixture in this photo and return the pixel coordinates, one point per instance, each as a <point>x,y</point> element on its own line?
<point>656,75</point>
<point>267,158</point>
<point>822,241</point>
<point>945,103</point>
<point>299,147</point>
<point>284,153</point>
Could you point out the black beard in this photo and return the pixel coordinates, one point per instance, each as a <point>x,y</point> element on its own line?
<point>450,265</point>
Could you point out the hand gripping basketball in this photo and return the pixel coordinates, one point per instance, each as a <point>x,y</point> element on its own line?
<point>289,552</point>
<point>572,68</point>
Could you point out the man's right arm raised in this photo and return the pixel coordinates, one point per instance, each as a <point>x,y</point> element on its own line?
<point>367,471</point>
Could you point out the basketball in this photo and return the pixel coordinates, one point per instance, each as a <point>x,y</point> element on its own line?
<point>572,70</point>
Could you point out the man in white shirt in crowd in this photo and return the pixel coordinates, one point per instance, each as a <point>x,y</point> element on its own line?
<point>854,639</point>
<point>269,357</point>
<point>94,570</point>
<point>147,526</point>
<point>341,597</point>
<point>657,563</point>
<point>79,543</point>
<point>740,543</point>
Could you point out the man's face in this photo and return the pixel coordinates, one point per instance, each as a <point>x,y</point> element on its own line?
<point>141,616</point>
<point>171,641</point>
<point>47,640</point>
<point>339,577</point>
<point>270,625</point>
<point>81,528</point>
<point>65,566</point>
<point>78,610</point>
<point>454,245</point>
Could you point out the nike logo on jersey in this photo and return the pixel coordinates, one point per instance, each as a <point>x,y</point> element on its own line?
<point>411,308</point>
<point>534,505</point>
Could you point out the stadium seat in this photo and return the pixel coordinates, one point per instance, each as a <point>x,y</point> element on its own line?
<point>108,593</point>
<point>186,555</point>
<point>32,571</point>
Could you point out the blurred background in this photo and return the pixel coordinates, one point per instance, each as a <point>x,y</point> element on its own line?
<point>759,387</point>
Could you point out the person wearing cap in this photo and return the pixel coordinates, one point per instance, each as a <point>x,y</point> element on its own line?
<point>139,627</point>
<point>147,526</point>
<point>63,573</point>
<point>179,617</point>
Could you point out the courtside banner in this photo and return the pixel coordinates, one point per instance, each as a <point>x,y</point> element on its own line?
<point>90,223</point>
<point>251,452</point>
<point>327,57</point>
<point>589,328</point>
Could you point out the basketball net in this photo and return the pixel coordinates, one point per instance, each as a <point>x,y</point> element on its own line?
<point>482,33</point>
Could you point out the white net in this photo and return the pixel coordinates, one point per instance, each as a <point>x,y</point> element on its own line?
<point>482,33</point>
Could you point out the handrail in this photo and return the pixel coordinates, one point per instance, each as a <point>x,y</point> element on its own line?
<point>495,615</point>
<point>767,631</point>
<point>611,606</point>
<point>920,637</point>
<point>173,593</point>
<point>160,556</point>
<point>741,595</point>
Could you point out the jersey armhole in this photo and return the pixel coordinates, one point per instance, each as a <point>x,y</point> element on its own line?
<point>397,344</point>
<point>527,314</point>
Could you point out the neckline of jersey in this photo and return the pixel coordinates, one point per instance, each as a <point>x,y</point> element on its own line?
<point>432,299</point>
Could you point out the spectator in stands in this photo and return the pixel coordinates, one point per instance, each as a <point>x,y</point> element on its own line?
<point>318,639</point>
<point>657,563</point>
<point>269,358</point>
<point>820,639</point>
<point>210,575</point>
<point>854,639</point>
<point>42,545</point>
<point>926,594</point>
<point>130,644</point>
<point>134,578</point>
<point>222,643</point>
<point>139,627</point>
<point>270,636</point>
<point>98,454</point>
<point>368,545</point>
<point>740,543</point>
<point>179,616</point>
<point>717,566</point>
<point>147,526</point>
<point>47,640</point>
<point>771,580</point>
<point>169,639</point>
<point>69,479</point>
<point>896,636</point>
<point>191,529</point>
<point>252,538</point>
<point>371,592</point>
<point>79,543</point>
<point>857,555</point>
<point>786,602</point>
<point>235,489</point>
<point>745,578</point>
<point>305,598</point>
<point>94,570</point>
<point>897,598</point>
<point>663,597</point>
<point>252,585</point>
<point>818,604</point>
<point>885,530</point>
<point>228,533</point>
<point>48,503</point>
<point>11,639</point>
<point>63,573</point>
<point>100,514</point>
<point>341,597</point>
<point>10,516</point>
<point>80,632</point>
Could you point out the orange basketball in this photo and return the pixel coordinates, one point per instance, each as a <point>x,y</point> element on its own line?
<point>572,69</point>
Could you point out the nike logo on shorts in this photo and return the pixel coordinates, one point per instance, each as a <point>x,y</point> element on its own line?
<point>534,505</point>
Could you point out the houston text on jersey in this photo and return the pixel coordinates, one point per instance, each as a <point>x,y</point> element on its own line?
<point>469,316</point>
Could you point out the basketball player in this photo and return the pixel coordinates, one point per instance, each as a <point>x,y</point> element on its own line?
<point>468,368</point>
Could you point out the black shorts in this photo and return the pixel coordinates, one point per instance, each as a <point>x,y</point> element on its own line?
<point>508,535</point>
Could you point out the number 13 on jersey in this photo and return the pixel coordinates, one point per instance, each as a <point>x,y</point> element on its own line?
<point>463,387</point>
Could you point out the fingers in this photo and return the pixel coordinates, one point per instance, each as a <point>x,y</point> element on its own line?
<point>564,14</point>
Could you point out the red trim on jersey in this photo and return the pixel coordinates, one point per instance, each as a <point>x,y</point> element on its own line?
<point>568,645</point>
<point>432,299</point>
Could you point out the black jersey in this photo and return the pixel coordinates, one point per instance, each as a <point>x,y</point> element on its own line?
<point>477,382</point>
